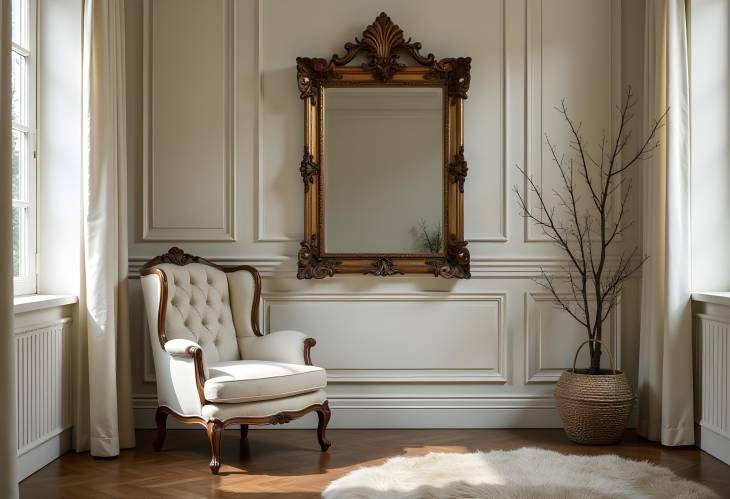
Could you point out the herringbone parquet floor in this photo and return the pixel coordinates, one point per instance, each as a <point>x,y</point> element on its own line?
<point>287,463</point>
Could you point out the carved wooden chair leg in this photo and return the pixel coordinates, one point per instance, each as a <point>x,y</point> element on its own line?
<point>244,433</point>
<point>161,421</point>
<point>215,432</point>
<point>324,415</point>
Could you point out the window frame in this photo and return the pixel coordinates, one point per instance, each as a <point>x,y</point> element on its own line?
<point>26,283</point>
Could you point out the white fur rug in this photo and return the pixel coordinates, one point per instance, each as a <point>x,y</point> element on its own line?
<point>523,473</point>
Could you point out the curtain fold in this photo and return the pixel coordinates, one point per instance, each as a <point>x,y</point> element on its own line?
<point>8,414</point>
<point>104,422</point>
<point>665,358</point>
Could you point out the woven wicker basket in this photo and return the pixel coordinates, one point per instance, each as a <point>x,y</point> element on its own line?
<point>594,408</point>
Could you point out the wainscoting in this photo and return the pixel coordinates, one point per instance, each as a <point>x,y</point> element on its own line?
<point>419,352</point>
<point>44,391</point>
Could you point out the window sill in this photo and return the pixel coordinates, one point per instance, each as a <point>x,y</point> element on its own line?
<point>31,303</point>
<point>716,297</point>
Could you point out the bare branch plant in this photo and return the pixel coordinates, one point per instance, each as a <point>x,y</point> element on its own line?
<point>428,238</point>
<point>588,287</point>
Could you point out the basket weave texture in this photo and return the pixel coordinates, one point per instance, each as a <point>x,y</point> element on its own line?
<point>594,409</point>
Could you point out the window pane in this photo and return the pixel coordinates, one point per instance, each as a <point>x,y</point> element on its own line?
<point>18,240</point>
<point>15,164</point>
<point>19,165</point>
<point>17,16</point>
<point>20,92</point>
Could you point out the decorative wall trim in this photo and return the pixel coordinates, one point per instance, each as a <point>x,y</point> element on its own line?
<point>150,231</point>
<point>357,411</point>
<point>481,266</point>
<point>363,411</point>
<point>535,371</point>
<point>267,265</point>
<point>534,132</point>
<point>261,234</point>
<point>502,235</point>
<point>44,373</point>
<point>450,375</point>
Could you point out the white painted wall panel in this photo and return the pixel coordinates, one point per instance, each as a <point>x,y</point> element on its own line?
<point>710,130</point>
<point>188,54</point>
<point>573,54</point>
<point>550,332</point>
<point>417,337</point>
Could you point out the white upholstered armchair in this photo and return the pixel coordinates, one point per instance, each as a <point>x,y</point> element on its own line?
<point>213,365</point>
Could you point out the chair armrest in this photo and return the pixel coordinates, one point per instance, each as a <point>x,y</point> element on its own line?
<point>187,349</point>
<point>181,348</point>
<point>291,347</point>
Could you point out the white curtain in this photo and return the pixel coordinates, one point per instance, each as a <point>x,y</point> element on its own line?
<point>665,365</point>
<point>8,414</point>
<point>104,404</point>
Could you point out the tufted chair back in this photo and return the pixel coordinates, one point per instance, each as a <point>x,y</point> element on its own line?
<point>199,309</point>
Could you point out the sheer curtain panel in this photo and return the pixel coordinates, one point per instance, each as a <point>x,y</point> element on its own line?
<point>104,422</point>
<point>8,413</point>
<point>665,358</point>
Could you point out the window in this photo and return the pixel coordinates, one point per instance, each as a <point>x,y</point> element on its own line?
<point>23,145</point>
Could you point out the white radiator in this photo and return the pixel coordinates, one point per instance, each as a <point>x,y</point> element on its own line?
<point>713,358</point>
<point>44,392</point>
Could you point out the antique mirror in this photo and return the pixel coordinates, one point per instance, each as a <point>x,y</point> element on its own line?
<point>383,163</point>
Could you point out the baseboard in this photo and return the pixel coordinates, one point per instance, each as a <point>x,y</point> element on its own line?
<point>36,458</point>
<point>508,412</point>
<point>715,444</point>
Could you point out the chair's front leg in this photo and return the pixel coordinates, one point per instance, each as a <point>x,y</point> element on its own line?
<point>324,414</point>
<point>161,421</point>
<point>215,432</point>
<point>244,433</point>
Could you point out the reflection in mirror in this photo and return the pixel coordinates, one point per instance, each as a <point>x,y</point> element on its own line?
<point>383,170</point>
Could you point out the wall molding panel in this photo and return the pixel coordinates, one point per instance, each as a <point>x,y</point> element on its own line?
<point>534,90</point>
<point>541,366</point>
<point>261,234</point>
<point>385,308</point>
<point>502,234</point>
<point>481,267</point>
<point>527,411</point>
<point>165,194</point>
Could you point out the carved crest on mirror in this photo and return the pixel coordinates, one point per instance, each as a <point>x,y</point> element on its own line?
<point>383,58</point>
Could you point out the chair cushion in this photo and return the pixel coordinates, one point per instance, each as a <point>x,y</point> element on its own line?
<point>251,380</point>
<point>199,310</point>
<point>263,408</point>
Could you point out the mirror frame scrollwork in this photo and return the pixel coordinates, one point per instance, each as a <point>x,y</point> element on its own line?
<point>380,45</point>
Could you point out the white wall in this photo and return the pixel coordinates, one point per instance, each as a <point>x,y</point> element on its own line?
<point>404,351</point>
<point>59,146</point>
<point>710,127</point>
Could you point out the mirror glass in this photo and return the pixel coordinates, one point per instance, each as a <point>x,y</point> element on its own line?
<point>383,169</point>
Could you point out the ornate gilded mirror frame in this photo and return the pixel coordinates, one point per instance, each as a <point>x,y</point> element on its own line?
<point>380,44</point>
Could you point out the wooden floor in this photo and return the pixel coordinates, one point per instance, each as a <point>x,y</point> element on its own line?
<point>287,463</point>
